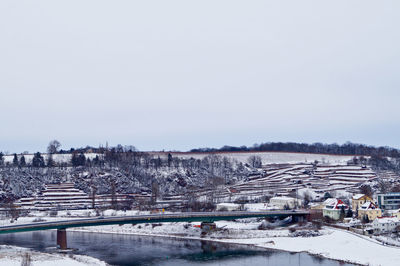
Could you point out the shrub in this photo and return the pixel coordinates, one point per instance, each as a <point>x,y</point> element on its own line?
<point>26,260</point>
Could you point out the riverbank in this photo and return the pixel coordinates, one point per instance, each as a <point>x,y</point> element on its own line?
<point>17,256</point>
<point>329,243</point>
<point>325,242</point>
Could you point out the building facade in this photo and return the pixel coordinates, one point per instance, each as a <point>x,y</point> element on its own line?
<point>359,199</point>
<point>282,202</point>
<point>334,209</point>
<point>369,209</point>
<point>385,224</point>
<point>389,201</point>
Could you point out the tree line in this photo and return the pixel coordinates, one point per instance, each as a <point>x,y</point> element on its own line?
<point>345,149</point>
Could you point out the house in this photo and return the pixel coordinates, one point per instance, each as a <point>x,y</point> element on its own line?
<point>334,209</point>
<point>284,202</point>
<point>228,207</point>
<point>385,224</point>
<point>359,199</point>
<point>389,201</point>
<point>370,209</point>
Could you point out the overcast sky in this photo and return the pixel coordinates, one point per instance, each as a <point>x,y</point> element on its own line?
<point>176,75</point>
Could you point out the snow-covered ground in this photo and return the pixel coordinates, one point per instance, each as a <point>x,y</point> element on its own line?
<point>10,256</point>
<point>331,243</point>
<point>268,157</point>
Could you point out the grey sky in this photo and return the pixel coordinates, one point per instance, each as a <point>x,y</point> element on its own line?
<point>184,74</point>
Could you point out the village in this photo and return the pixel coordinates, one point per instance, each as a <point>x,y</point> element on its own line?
<point>377,216</point>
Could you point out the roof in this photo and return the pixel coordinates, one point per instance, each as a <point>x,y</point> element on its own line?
<point>282,198</point>
<point>368,206</point>
<point>335,204</point>
<point>360,196</point>
<point>386,219</point>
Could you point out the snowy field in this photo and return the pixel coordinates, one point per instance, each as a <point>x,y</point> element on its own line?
<point>267,157</point>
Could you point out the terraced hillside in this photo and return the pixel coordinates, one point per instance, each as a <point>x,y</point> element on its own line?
<point>289,179</point>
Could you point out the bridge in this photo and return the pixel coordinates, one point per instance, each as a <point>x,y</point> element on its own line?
<point>61,226</point>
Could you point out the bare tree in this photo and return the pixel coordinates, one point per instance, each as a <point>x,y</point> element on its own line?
<point>53,147</point>
<point>384,186</point>
<point>367,190</point>
<point>255,161</point>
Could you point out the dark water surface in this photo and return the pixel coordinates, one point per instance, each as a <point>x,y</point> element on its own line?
<point>140,250</point>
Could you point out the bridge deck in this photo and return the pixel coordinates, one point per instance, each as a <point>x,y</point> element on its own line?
<point>154,218</point>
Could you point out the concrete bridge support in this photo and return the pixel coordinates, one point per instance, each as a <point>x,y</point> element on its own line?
<point>62,238</point>
<point>207,227</point>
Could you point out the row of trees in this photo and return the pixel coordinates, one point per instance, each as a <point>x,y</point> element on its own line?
<point>345,149</point>
<point>38,160</point>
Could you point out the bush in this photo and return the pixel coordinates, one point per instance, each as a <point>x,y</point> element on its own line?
<point>317,224</point>
<point>37,220</point>
<point>328,219</point>
<point>26,260</point>
<point>53,213</point>
<point>292,229</point>
<point>154,225</point>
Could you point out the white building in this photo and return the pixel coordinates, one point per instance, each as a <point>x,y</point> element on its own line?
<point>281,202</point>
<point>228,207</point>
<point>385,224</point>
<point>334,208</point>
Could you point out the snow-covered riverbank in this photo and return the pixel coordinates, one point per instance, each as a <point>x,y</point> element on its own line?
<point>10,256</point>
<point>330,243</point>
<point>326,242</point>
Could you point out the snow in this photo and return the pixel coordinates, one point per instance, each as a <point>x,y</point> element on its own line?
<point>329,242</point>
<point>368,206</point>
<point>267,157</point>
<point>358,196</point>
<point>332,243</point>
<point>335,245</point>
<point>386,220</point>
<point>10,255</point>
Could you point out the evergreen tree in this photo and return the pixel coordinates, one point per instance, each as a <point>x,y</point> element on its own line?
<point>327,195</point>
<point>349,213</point>
<point>169,159</point>
<point>1,159</point>
<point>78,159</point>
<point>50,161</point>
<point>15,160</point>
<point>22,162</point>
<point>342,213</point>
<point>38,160</point>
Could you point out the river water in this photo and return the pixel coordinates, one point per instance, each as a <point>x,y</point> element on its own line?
<point>140,250</point>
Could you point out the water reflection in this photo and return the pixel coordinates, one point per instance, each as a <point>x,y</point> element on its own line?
<point>139,250</point>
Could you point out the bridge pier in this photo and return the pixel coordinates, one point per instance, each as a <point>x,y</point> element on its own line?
<point>207,227</point>
<point>62,238</point>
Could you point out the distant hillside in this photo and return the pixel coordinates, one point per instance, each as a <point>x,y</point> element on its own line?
<point>320,148</point>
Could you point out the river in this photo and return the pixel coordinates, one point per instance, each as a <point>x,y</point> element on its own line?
<point>127,250</point>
